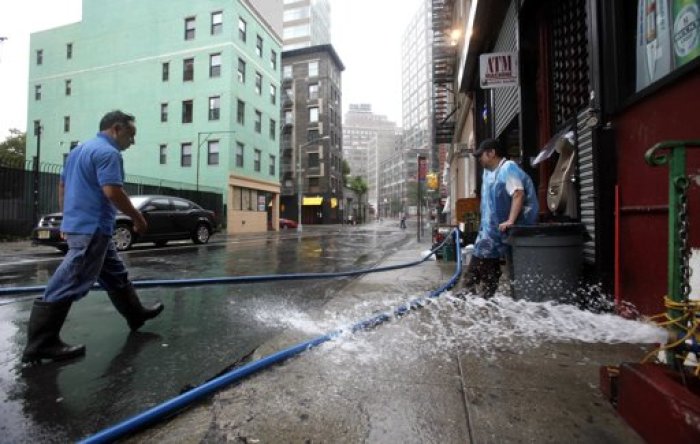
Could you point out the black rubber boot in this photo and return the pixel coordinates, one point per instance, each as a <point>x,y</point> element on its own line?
<point>43,340</point>
<point>128,304</point>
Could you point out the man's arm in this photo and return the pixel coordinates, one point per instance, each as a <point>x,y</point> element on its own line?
<point>516,206</point>
<point>121,200</point>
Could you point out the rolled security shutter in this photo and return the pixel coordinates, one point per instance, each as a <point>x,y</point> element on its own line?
<point>586,184</point>
<point>506,100</point>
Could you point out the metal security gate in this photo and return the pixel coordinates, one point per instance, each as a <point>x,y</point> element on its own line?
<point>506,100</point>
<point>586,183</point>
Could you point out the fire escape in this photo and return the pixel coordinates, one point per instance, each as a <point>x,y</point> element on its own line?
<point>444,53</point>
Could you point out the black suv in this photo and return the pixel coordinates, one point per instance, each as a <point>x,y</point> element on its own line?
<point>169,218</point>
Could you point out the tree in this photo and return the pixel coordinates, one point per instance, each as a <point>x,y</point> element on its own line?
<point>14,146</point>
<point>346,172</point>
<point>360,187</point>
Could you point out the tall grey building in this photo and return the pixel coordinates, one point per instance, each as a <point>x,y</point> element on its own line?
<point>368,139</point>
<point>417,86</point>
<point>306,23</point>
<point>311,155</point>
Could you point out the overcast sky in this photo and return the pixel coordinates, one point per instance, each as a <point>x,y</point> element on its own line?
<point>366,35</point>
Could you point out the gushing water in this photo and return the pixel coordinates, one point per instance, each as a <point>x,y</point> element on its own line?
<point>475,326</point>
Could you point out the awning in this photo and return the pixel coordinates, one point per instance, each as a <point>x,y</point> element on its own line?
<point>334,202</point>
<point>312,201</point>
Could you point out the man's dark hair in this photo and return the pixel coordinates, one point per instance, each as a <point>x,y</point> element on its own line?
<point>116,116</point>
<point>491,144</point>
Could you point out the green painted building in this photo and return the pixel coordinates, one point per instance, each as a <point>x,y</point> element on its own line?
<point>202,79</point>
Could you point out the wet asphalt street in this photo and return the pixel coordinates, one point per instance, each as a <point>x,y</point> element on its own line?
<point>202,332</point>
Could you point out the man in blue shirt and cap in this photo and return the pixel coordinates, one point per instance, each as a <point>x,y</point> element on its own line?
<point>508,197</point>
<point>90,193</point>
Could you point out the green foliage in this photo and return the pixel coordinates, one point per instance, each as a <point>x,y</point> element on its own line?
<point>359,186</point>
<point>13,148</point>
<point>346,170</point>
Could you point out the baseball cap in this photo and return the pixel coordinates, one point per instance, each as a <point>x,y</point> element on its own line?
<point>487,144</point>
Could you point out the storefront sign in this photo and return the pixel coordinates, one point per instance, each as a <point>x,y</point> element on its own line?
<point>498,69</point>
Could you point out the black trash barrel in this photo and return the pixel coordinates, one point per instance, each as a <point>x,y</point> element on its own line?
<point>546,260</point>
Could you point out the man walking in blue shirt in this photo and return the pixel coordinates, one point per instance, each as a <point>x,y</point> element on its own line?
<point>508,197</point>
<point>90,192</point>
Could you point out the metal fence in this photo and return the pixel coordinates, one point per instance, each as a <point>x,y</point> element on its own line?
<point>28,190</point>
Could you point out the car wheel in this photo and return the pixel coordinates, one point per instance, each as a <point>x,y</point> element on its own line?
<point>123,237</point>
<point>201,234</point>
<point>63,249</point>
<point>160,243</point>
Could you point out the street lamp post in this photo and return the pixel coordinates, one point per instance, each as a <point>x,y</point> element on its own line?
<point>201,142</point>
<point>299,187</point>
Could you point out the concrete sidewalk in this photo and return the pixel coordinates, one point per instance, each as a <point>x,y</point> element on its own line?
<point>452,372</point>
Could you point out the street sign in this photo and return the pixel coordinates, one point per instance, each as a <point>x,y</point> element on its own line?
<point>422,168</point>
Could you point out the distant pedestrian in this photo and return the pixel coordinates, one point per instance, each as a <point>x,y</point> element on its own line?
<point>89,194</point>
<point>508,196</point>
<point>403,220</point>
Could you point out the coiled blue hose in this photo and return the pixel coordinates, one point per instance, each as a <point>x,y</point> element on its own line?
<point>154,414</point>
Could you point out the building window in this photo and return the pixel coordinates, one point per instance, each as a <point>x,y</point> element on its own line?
<point>217,19</point>
<point>242,29</point>
<point>273,59</point>
<point>258,121</point>
<point>313,91</point>
<point>240,112</point>
<point>259,46</point>
<point>69,51</point>
<point>39,56</point>
<point>214,107</point>
<point>288,118</point>
<point>66,124</point>
<point>73,144</point>
<point>189,28</point>
<point>314,160</point>
<point>273,129</point>
<point>241,70</point>
<point>163,112</point>
<point>313,114</point>
<point>272,165</point>
<point>69,88</point>
<point>186,155</point>
<point>166,71</point>
<point>273,94</point>
<point>313,69</point>
<point>258,83</point>
<point>187,111</point>
<point>37,127</point>
<point>313,184</point>
<point>287,72</point>
<point>163,150</point>
<point>215,65</point>
<point>312,135</point>
<point>188,70</point>
<point>37,92</point>
<point>239,154</point>
<point>213,152</point>
<point>256,160</point>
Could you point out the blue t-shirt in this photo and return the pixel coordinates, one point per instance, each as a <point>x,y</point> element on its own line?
<point>89,167</point>
<point>497,189</point>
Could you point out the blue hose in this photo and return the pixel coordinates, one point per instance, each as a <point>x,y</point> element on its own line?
<point>173,405</point>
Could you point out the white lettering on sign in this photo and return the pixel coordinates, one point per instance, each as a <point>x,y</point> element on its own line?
<point>498,69</point>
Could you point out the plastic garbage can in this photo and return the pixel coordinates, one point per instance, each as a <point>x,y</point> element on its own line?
<point>546,260</point>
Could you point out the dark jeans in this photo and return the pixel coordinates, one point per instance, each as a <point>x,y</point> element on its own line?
<point>91,258</point>
<point>484,271</point>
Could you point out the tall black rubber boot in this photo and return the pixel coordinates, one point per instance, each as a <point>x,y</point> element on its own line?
<point>43,340</point>
<point>128,304</point>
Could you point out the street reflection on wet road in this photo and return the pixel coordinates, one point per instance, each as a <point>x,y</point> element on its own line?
<point>202,331</point>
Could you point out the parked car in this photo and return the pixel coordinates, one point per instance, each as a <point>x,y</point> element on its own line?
<point>287,223</point>
<point>169,218</point>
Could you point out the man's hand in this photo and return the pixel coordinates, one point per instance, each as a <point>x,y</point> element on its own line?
<point>505,225</point>
<point>140,225</point>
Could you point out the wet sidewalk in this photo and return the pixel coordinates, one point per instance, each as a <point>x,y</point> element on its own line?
<point>452,372</point>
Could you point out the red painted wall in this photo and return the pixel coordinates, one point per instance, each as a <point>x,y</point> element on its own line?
<point>671,113</point>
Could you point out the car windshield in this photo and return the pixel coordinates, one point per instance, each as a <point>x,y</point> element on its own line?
<point>138,201</point>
